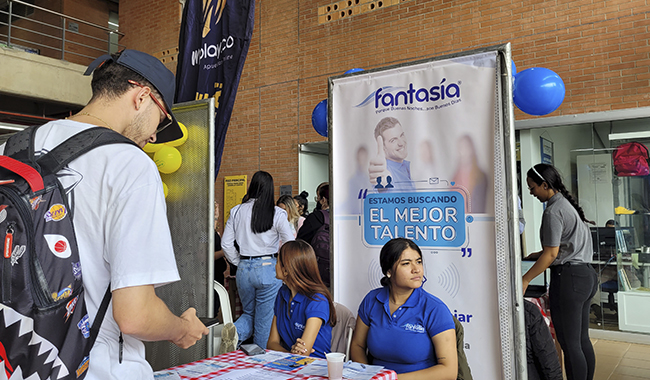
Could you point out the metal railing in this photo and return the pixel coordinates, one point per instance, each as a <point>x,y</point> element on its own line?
<point>35,30</point>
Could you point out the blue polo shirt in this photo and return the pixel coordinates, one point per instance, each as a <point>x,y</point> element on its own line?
<point>292,315</point>
<point>401,175</point>
<point>402,341</point>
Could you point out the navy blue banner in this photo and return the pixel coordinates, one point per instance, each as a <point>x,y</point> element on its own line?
<point>213,43</point>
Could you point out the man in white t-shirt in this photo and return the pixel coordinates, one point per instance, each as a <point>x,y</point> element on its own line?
<point>120,213</point>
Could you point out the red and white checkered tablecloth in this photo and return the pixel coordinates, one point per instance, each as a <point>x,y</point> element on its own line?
<point>234,359</point>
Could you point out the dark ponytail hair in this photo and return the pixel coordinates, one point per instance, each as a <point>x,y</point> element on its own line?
<point>390,254</point>
<point>541,173</point>
<point>302,201</point>
<point>261,189</point>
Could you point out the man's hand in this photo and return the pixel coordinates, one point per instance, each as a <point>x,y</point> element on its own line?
<point>377,165</point>
<point>193,327</point>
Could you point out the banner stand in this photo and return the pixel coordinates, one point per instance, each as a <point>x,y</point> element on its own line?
<point>440,133</point>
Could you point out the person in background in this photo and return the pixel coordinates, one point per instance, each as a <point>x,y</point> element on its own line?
<point>401,326</point>
<point>303,203</point>
<point>611,223</point>
<point>470,176</point>
<point>220,264</point>
<point>301,219</point>
<point>541,356</point>
<point>287,203</point>
<point>304,310</point>
<point>258,226</point>
<point>120,214</point>
<point>316,218</point>
<point>567,249</point>
<point>317,197</point>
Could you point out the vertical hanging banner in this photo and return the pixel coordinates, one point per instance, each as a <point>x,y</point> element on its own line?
<point>414,151</point>
<point>213,43</point>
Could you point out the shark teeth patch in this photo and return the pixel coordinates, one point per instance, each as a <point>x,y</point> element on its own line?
<point>27,327</point>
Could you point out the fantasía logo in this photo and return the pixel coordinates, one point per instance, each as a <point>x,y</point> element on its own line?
<point>391,96</point>
<point>416,328</point>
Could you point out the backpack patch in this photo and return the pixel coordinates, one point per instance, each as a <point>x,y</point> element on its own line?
<point>631,159</point>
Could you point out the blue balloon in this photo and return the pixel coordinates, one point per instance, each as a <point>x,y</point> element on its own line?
<point>353,71</point>
<point>538,91</point>
<point>319,118</point>
<point>514,67</point>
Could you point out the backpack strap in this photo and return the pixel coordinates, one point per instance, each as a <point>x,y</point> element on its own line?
<point>28,173</point>
<point>77,145</point>
<point>20,145</point>
<point>99,318</point>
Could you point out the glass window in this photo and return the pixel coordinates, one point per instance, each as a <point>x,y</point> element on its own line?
<point>604,166</point>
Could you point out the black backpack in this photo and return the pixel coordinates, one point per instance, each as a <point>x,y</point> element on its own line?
<point>321,244</point>
<point>44,326</point>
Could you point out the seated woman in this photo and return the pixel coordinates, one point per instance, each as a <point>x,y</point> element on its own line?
<point>304,310</point>
<point>403,327</point>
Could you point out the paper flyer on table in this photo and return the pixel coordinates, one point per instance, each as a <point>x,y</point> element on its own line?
<point>265,358</point>
<point>166,375</point>
<point>351,370</point>
<point>289,363</point>
<point>193,370</point>
<point>252,374</point>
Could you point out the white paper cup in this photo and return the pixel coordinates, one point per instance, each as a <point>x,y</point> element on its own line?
<point>335,365</point>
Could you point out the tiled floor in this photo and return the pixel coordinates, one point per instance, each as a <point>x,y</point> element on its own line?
<point>621,361</point>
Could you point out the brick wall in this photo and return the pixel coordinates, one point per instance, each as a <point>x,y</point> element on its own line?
<point>90,42</point>
<point>600,49</point>
<point>151,26</point>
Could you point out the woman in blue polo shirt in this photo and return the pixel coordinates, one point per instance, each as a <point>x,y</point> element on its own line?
<point>304,311</point>
<point>401,326</point>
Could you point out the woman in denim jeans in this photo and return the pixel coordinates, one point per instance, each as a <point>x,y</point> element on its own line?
<point>567,249</point>
<point>257,226</point>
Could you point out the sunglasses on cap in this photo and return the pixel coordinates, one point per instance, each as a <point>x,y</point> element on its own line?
<point>167,121</point>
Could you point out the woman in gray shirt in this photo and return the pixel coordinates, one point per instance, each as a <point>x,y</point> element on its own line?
<point>567,250</point>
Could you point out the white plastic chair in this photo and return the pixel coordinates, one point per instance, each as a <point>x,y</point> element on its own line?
<point>226,314</point>
<point>342,332</point>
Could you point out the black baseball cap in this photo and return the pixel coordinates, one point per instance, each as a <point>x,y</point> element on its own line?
<point>157,74</point>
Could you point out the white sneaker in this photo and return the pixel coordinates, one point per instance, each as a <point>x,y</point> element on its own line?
<point>229,338</point>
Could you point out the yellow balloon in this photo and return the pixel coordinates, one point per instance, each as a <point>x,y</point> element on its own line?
<point>165,189</point>
<point>168,159</point>
<point>180,141</point>
<point>152,148</point>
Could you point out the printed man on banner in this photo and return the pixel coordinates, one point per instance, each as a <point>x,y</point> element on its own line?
<point>389,169</point>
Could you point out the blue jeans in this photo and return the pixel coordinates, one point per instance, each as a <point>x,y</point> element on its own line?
<point>258,288</point>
